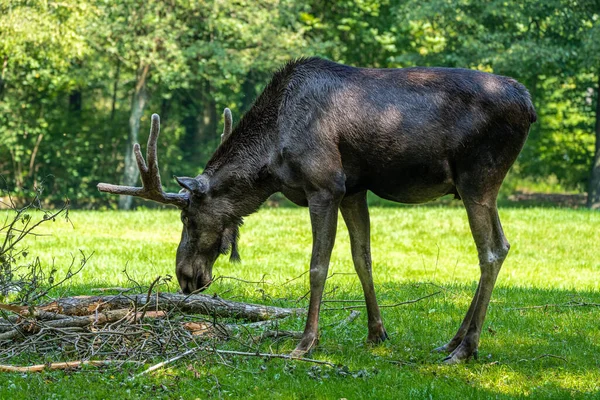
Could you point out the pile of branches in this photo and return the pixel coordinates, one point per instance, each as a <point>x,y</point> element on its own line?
<point>127,328</point>
<point>135,325</point>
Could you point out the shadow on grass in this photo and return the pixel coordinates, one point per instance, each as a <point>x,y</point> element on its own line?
<point>536,343</point>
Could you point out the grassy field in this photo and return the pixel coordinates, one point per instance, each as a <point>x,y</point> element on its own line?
<point>549,352</point>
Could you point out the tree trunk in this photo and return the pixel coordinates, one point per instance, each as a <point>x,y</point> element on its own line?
<point>249,92</point>
<point>138,103</point>
<point>206,124</point>
<point>200,124</point>
<point>593,200</point>
<point>2,82</point>
<point>114,91</point>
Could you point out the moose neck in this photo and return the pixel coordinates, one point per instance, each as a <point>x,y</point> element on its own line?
<point>239,173</point>
<point>240,166</point>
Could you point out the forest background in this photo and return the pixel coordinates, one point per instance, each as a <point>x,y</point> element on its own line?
<point>78,79</point>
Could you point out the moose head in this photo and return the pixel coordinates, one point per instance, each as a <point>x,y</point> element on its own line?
<point>208,230</point>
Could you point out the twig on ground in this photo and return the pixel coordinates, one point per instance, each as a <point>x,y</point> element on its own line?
<point>261,282</point>
<point>296,278</point>
<point>110,289</point>
<point>342,301</point>
<point>545,356</point>
<point>384,305</point>
<point>545,306</point>
<point>280,334</point>
<point>270,355</point>
<point>233,353</point>
<point>347,321</point>
<point>166,362</point>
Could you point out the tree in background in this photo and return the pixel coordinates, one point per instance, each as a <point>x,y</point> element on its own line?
<point>40,45</point>
<point>591,60</point>
<point>144,39</point>
<point>192,54</point>
<point>75,74</point>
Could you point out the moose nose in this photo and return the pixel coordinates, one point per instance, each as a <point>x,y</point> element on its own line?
<point>198,284</point>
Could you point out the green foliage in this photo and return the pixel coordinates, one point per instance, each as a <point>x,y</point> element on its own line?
<point>69,71</point>
<point>39,44</point>
<point>533,352</point>
<point>561,144</point>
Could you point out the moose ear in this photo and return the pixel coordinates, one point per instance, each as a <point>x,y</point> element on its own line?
<point>193,185</point>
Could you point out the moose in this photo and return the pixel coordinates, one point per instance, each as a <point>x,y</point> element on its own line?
<point>323,134</point>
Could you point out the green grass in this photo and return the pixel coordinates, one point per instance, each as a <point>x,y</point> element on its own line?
<point>538,353</point>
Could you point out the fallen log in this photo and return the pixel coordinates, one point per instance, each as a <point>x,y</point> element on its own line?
<point>59,365</point>
<point>64,321</point>
<point>190,304</point>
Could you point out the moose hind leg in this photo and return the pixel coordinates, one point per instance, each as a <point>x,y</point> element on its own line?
<point>356,215</point>
<point>462,330</point>
<point>492,248</point>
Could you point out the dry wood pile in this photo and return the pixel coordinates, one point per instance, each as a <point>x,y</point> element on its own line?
<point>111,330</point>
<point>127,327</point>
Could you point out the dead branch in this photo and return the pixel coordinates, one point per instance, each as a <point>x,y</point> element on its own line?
<point>60,321</point>
<point>193,304</point>
<point>59,365</point>
<point>268,355</point>
<point>166,362</point>
<point>343,301</point>
<point>111,289</point>
<point>13,333</point>
<point>280,334</point>
<point>349,319</point>
<point>261,282</point>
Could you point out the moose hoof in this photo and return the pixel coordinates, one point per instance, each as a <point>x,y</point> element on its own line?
<point>298,353</point>
<point>447,348</point>
<point>460,354</point>
<point>441,349</point>
<point>306,345</point>
<point>378,337</point>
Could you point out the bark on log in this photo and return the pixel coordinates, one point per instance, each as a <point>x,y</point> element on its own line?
<point>59,365</point>
<point>64,321</point>
<point>194,304</point>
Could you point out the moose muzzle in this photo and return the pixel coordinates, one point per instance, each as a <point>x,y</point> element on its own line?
<point>195,276</point>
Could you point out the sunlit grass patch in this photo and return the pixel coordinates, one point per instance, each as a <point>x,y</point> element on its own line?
<point>539,339</point>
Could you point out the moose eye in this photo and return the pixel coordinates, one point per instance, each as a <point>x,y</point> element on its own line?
<point>184,219</point>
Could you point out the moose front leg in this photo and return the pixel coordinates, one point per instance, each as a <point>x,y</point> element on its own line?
<point>323,206</point>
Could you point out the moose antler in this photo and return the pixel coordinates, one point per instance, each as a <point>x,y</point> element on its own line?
<point>227,124</point>
<point>152,187</point>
